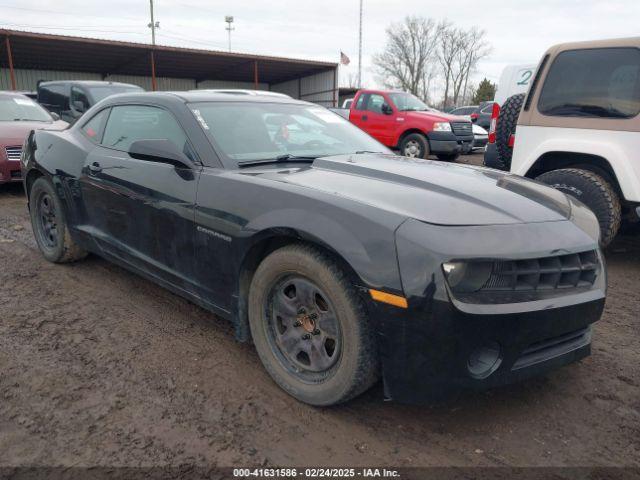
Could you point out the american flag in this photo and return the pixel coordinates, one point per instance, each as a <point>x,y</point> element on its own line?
<point>344,60</point>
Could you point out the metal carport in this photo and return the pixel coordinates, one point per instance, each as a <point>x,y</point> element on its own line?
<point>27,57</point>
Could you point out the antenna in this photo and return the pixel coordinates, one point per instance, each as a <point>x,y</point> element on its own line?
<point>229,28</point>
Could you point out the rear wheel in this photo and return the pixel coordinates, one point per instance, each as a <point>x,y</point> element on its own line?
<point>309,327</point>
<point>592,190</point>
<point>50,225</point>
<point>415,145</point>
<point>505,127</point>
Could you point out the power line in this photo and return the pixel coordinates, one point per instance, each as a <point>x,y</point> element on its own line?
<point>41,10</point>
<point>80,29</point>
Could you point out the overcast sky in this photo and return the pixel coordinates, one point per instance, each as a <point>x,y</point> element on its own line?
<point>518,30</point>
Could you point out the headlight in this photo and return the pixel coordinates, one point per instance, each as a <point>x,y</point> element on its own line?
<point>442,127</point>
<point>466,277</point>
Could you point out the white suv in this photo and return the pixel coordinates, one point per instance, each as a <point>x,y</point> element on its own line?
<point>578,128</point>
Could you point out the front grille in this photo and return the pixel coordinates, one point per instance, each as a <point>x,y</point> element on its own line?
<point>13,153</point>
<point>462,128</point>
<point>547,273</point>
<point>554,347</point>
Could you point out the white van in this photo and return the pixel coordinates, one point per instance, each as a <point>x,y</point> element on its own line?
<point>514,79</point>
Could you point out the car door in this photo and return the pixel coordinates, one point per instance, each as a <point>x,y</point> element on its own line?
<point>142,211</point>
<point>358,111</point>
<point>379,125</point>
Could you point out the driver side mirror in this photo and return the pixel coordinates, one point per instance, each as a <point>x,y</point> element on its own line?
<point>161,151</point>
<point>78,106</point>
<point>386,109</point>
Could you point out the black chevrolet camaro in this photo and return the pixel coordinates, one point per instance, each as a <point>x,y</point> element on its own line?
<point>342,262</point>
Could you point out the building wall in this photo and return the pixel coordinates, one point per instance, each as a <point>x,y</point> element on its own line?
<point>28,79</point>
<point>225,84</point>
<point>318,88</point>
<point>163,83</point>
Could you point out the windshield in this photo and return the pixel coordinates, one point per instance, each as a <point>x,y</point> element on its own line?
<point>22,109</point>
<point>100,93</point>
<point>406,102</point>
<point>266,131</point>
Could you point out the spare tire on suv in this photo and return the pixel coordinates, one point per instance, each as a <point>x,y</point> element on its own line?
<point>505,127</point>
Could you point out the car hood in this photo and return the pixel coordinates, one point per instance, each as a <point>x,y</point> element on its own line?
<point>431,191</point>
<point>14,133</point>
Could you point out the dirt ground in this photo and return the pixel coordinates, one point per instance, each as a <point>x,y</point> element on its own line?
<point>101,367</point>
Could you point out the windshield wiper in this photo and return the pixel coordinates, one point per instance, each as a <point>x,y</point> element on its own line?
<point>362,152</point>
<point>28,120</point>
<point>286,158</point>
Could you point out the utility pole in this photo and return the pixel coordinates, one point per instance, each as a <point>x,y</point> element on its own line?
<point>229,28</point>
<point>360,50</point>
<point>153,25</point>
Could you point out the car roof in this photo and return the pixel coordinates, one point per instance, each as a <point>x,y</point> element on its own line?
<point>241,91</point>
<point>88,83</point>
<point>195,96</point>
<point>605,43</point>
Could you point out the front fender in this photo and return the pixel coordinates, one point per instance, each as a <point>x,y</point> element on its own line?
<point>369,249</point>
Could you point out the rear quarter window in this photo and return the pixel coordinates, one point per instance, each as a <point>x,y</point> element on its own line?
<point>600,82</point>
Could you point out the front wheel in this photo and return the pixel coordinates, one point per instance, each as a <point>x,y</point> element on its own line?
<point>415,145</point>
<point>310,328</point>
<point>50,224</point>
<point>592,190</point>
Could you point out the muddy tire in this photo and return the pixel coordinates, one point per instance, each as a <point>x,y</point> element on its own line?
<point>415,145</point>
<point>50,225</point>
<point>310,328</point>
<point>505,127</point>
<point>592,190</point>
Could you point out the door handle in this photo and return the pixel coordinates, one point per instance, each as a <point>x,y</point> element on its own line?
<point>95,167</point>
<point>364,118</point>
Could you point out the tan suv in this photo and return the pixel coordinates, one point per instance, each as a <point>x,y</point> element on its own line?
<point>578,127</point>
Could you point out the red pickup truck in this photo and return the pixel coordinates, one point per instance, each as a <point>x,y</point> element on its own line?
<point>401,121</point>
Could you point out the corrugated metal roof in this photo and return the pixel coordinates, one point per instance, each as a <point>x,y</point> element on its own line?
<point>109,57</point>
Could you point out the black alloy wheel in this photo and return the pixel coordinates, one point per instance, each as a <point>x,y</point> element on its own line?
<point>304,331</point>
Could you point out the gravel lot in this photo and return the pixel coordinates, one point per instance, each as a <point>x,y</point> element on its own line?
<point>101,367</point>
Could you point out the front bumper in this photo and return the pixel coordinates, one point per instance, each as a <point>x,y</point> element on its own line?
<point>10,171</point>
<point>448,143</point>
<point>431,349</point>
<point>428,351</point>
<point>480,142</point>
<point>491,158</point>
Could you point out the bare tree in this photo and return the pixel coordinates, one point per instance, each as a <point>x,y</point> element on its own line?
<point>408,56</point>
<point>459,53</point>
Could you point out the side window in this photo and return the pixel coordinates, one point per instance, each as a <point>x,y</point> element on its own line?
<point>53,97</point>
<point>77,95</point>
<point>599,82</point>
<point>487,108</point>
<point>129,123</point>
<point>93,128</point>
<point>375,103</point>
<point>362,101</point>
